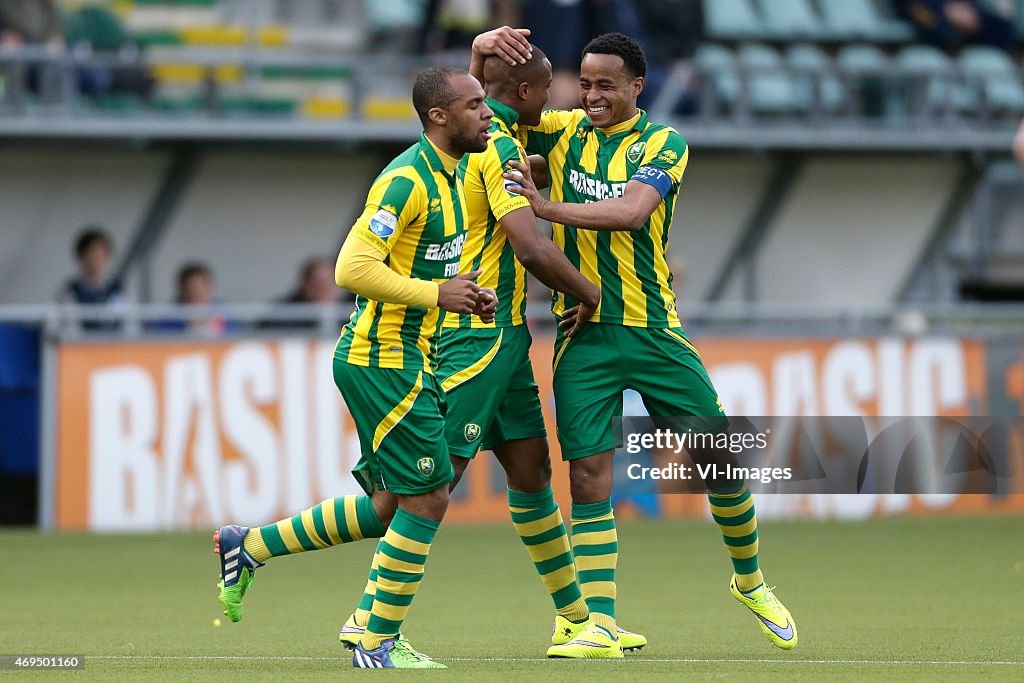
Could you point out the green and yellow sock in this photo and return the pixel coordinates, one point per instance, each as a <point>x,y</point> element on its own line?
<point>362,615</point>
<point>403,552</point>
<point>595,546</point>
<point>336,520</point>
<point>538,521</point>
<point>734,513</point>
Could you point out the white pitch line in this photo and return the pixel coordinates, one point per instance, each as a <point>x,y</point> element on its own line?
<point>887,662</point>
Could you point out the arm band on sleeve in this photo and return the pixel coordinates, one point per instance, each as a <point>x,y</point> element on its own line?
<point>360,269</point>
<point>655,177</point>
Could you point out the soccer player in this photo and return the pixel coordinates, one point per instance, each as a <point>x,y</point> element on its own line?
<point>401,259</point>
<point>614,179</point>
<point>485,367</point>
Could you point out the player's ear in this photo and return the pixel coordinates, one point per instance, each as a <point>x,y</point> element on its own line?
<point>438,116</point>
<point>524,91</point>
<point>638,86</point>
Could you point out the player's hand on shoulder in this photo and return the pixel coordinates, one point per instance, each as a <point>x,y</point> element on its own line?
<point>508,43</point>
<point>486,305</point>
<point>460,294</point>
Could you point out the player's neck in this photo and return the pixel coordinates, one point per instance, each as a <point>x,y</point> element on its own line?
<point>449,159</point>
<point>622,125</point>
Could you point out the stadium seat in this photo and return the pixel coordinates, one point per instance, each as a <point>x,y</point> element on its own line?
<point>869,81</point>
<point>934,87</point>
<point>992,73</point>
<point>793,20</point>
<point>860,20</point>
<point>718,70</point>
<point>770,88</point>
<point>815,77</point>
<point>732,20</point>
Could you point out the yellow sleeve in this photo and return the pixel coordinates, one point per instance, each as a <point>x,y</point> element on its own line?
<point>493,164</point>
<point>395,201</point>
<point>360,269</point>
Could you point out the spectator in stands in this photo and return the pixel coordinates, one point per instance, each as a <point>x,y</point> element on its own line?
<point>30,22</point>
<point>673,30</point>
<point>316,286</point>
<point>563,27</point>
<point>948,24</point>
<point>94,283</point>
<point>196,287</point>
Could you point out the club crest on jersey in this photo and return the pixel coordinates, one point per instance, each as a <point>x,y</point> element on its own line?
<point>425,466</point>
<point>635,152</point>
<point>472,432</point>
<point>384,222</point>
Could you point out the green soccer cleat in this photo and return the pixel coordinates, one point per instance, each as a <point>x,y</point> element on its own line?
<point>237,569</point>
<point>565,630</point>
<point>631,641</point>
<point>773,617</point>
<point>394,653</point>
<point>594,642</point>
<point>351,633</point>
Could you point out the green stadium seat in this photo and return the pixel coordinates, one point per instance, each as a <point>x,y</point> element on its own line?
<point>815,77</point>
<point>933,85</point>
<point>793,20</point>
<point>770,88</point>
<point>860,59</point>
<point>861,20</point>
<point>732,20</point>
<point>717,66</point>
<point>869,79</point>
<point>993,74</point>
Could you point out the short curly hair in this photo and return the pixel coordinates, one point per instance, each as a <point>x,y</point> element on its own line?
<point>620,45</point>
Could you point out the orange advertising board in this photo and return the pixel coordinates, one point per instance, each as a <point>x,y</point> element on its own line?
<point>177,435</point>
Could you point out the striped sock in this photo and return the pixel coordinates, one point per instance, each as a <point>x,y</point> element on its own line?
<point>403,551</point>
<point>595,546</point>
<point>734,513</point>
<point>336,520</point>
<point>362,615</point>
<point>538,521</point>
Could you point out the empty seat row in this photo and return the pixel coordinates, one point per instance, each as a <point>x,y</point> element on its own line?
<point>820,20</point>
<point>804,78</point>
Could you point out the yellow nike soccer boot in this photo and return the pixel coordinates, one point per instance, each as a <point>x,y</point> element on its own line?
<point>773,617</point>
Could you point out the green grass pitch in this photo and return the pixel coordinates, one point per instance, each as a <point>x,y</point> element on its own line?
<point>890,600</point>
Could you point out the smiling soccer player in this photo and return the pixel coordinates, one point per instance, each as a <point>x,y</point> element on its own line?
<point>614,178</point>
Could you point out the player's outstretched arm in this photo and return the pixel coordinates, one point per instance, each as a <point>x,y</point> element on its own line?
<point>547,263</point>
<point>544,260</point>
<point>361,270</point>
<point>508,43</point>
<point>628,212</point>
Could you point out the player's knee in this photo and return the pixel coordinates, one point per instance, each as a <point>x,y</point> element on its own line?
<point>530,475</point>
<point>590,479</point>
<point>384,504</point>
<point>459,466</point>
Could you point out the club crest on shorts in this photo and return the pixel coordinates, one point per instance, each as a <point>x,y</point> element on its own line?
<point>472,432</point>
<point>635,152</point>
<point>425,466</point>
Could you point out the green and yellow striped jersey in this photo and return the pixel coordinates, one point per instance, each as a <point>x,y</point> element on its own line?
<point>488,201</point>
<point>586,165</point>
<point>415,215</point>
